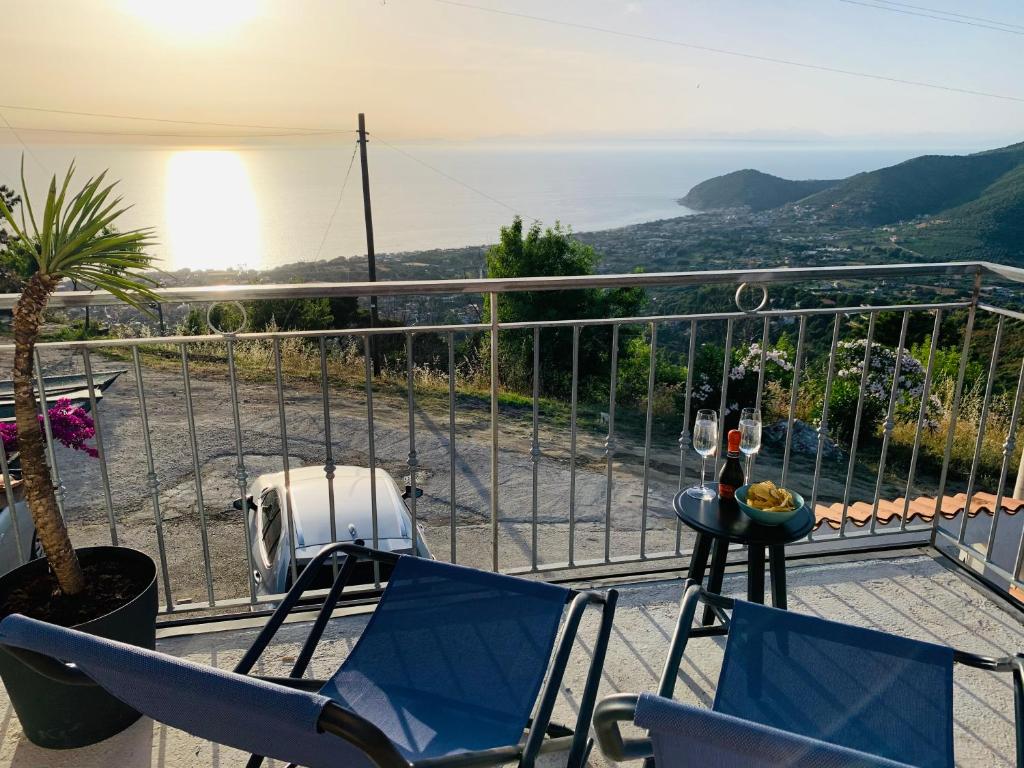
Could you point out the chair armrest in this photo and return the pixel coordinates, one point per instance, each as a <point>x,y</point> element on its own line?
<point>687,609</point>
<point>704,737</point>
<point>362,734</point>
<point>620,708</point>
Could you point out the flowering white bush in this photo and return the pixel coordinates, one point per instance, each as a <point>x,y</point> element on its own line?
<point>745,367</point>
<point>879,383</point>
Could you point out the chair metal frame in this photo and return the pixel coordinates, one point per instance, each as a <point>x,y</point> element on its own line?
<point>620,708</point>
<point>540,736</point>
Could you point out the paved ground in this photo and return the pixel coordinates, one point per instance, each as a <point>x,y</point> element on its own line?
<point>132,499</point>
<point>911,594</point>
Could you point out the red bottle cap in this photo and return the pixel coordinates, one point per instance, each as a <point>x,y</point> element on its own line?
<point>734,441</point>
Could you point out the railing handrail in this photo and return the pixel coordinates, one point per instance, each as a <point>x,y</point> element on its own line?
<point>218,293</point>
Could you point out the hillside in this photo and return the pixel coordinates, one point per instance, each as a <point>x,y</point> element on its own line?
<point>989,227</point>
<point>921,186</point>
<point>939,206</point>
<point>750,189</point>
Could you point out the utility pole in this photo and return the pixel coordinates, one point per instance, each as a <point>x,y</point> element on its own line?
<point>370,257</point>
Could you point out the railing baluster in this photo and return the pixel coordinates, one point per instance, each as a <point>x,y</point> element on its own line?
<point>1009,445</point>
<point>651,376</point>
<point>684,434</point>
<point>574,396</point>
<point>101,453</point>
<point>285,459</point>
<point>12,505</point>
<point>152,481</point>
<point>890,415</point>
<point>371,452</point>
<point>762,375</point>
<point>609,444</point>
<point>197,472</point>
<point>451,445</point>
<point>535,446</point>
<point>329,466</point>
<point>855,437</point>
<point>982,422</point>
<point>51,446</point>
<point>823,426</point>
<point>412,461</point>
<point>794,388</point>
<point>955,405</point>
<point>493,299</point>
<point>240,472</point>
<point>926,391</point>
<point>723,402</point>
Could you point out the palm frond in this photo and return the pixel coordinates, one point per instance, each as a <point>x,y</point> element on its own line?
<point>27,202</point>
<point>75,238</point>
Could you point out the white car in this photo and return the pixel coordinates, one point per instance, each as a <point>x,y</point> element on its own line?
<point>310,499</point>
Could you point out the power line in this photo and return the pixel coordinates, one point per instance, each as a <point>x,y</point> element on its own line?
<point>141,118</point>
<point>147,135</point>
<point>729,52</point>
<point>24,146</point>
<point>948,20</point>
<point>951,13</point>
<point>451,178</point>
<point>337,204</point>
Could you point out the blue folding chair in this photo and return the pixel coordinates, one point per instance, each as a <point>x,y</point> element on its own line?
<point>802,692</point>
<point>446,673</point>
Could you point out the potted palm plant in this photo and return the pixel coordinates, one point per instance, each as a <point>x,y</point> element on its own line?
<point>108,591</point>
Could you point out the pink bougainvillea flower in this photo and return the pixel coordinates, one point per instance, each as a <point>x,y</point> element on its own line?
<point>71,425</point>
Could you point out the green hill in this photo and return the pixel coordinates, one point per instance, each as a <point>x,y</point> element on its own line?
<point>942,206</point>
<point>925,185</point>
<point>750,189</point>
<point>989,227</point>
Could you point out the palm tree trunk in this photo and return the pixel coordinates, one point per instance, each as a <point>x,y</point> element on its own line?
<point>50,527</point>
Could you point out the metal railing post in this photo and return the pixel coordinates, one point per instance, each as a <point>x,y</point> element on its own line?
<point>493,299</point>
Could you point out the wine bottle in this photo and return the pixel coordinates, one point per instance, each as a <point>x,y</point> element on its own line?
<point>731,477</point>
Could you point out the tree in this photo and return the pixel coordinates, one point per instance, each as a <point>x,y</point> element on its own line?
<point>554,252</point>
<point>70,240</point>
<point>15,258</point>
<point>303,314</point>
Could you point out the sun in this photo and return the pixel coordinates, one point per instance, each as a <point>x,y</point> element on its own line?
<point>195,18</point>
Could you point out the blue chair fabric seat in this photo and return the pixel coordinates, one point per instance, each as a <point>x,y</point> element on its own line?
<point>692,736</point>
<point>803,692</point>
<point>862,689</point>
<point>237,710</point>
<point>451,661</point>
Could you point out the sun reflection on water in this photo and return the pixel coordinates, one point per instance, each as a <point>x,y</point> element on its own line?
<point>212,218</point>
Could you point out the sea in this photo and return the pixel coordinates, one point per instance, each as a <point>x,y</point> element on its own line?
<point>262,206</point>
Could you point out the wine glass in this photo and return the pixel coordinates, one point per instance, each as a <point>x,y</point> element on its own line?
<point>705,442</point>
<point>750,435</point>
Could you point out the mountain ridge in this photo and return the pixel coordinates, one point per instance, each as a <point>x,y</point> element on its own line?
<point>949,205</point>
<point>752,189</point>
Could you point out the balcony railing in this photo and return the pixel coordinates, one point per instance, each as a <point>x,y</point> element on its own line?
<point>512,519</point>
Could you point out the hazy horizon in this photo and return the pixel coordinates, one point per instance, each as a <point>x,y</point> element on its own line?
<point>513,71</point>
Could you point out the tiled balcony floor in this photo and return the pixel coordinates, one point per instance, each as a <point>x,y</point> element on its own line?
<point>912,593</point>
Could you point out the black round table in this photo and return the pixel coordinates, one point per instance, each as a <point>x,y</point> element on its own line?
<point>719,523</point>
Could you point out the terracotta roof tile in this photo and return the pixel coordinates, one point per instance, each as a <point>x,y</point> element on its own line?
<point>923,508</point>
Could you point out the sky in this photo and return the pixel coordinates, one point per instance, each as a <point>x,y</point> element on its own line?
<point>437,70</point>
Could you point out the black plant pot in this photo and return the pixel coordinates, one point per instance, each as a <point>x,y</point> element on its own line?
<point>61,716</point>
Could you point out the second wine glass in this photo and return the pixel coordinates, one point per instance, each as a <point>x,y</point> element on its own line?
<point>750,435</point>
